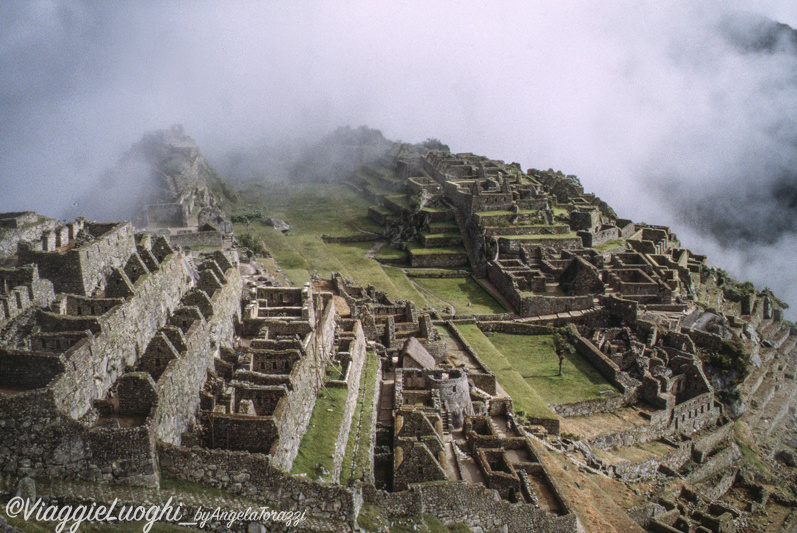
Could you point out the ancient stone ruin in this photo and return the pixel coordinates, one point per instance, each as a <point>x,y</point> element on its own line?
<point>127,358</point>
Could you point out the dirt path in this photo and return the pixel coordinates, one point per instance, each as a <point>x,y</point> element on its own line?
<point>374,249</point>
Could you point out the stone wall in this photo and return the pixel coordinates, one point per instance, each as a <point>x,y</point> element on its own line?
<point>173,214</point>
<point>513,246</point>
<point>607,368</point>
<point>254,476</point>
<point>438,260</point>
<point>624,310</point>
<point>17,219</point>
<point>179,385</point>
<point>254,434</point>
<point>28,370</point>
<point>720,463</point>
<point>125,331</point>
<point>357,352</point>
<point>37,440</point>
<point>559,229</point>
<point>31,231</point>
<point>210,238</point>
<point>25,290</point>
<point>685,418</point>
<point>475,505</point>
<point>527,304</point>
<point>695,414</point>
<point>365,237</point>
<point>433,240</point>
<point>705,444</point>
<point>80,270</point>
<point>517,328</point>
<point>48,431</point>
<point>590,407</point>
<point>299,403</point>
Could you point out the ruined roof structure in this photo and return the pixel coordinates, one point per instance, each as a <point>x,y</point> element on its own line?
<point>126,358</point>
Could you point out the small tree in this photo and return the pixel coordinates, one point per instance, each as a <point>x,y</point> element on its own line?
<point>562,345</point>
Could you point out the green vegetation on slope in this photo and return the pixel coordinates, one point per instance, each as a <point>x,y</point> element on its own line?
<point>460,292</point>
<point>357,460</point>
<point>316,451</point>
<point>312,211</point>
<point>524,397</point>
<point>534,357</point>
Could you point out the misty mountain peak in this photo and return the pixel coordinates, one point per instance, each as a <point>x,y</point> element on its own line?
<point>165,166</point>
<point>179,171</point>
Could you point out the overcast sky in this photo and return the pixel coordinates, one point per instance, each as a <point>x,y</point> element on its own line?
<point>656,106</point>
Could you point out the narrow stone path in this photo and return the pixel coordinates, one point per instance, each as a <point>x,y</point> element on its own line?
<point>374,249</point>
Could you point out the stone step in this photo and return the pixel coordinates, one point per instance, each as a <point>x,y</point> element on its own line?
<point>777,408</point>
<point>788,347</point>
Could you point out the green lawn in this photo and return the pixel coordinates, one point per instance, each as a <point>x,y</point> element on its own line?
<point>312,211</point>
<point>312,208</point>
<point>390,254</point>
<point>318,444</point>
<point>441,235</point>
<point>610,245</point>
<point>355,462</point>
<point>460,292</point>
<point>417,249</point>
<point>524,397</point>
<point>444,226</point>
<point>540,237</point>
<point>400,200</point>
<point>533,356</point>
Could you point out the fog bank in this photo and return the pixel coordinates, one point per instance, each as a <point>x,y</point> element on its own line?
<point>673,113</point>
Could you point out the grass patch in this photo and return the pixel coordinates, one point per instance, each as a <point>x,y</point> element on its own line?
<point>524,397</point>
<point>355,463</point>
<point>442,235</point>
<point>371,518</point>
<point>460,292</point>
<point>312,211</point>
<point>534,357</point>
<point>400,200</point>
<point>540,237</point>
<point>318,444</point>
<point>315,209</point>
<point>403,286</point>
<point>436,209</point>
<point>381,209</point>
<point>390,253</point>
<point>417,249</point>
<point>611,245</point>
<point>444,226</point>
<point>745,442</point>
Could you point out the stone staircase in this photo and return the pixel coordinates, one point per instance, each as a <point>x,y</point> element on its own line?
<point>771,389</point>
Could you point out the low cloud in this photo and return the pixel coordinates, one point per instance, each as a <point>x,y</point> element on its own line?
<point>673,113</point>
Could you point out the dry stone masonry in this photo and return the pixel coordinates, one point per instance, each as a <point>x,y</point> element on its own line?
<point>126,357</point>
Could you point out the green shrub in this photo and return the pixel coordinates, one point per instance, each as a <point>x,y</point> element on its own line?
<point>244,218</point>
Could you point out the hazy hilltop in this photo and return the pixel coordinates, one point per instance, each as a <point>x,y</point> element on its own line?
<point>178,170</point>
<point>340,153</point>
<point>760,35</point>
<point>165,166</point>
